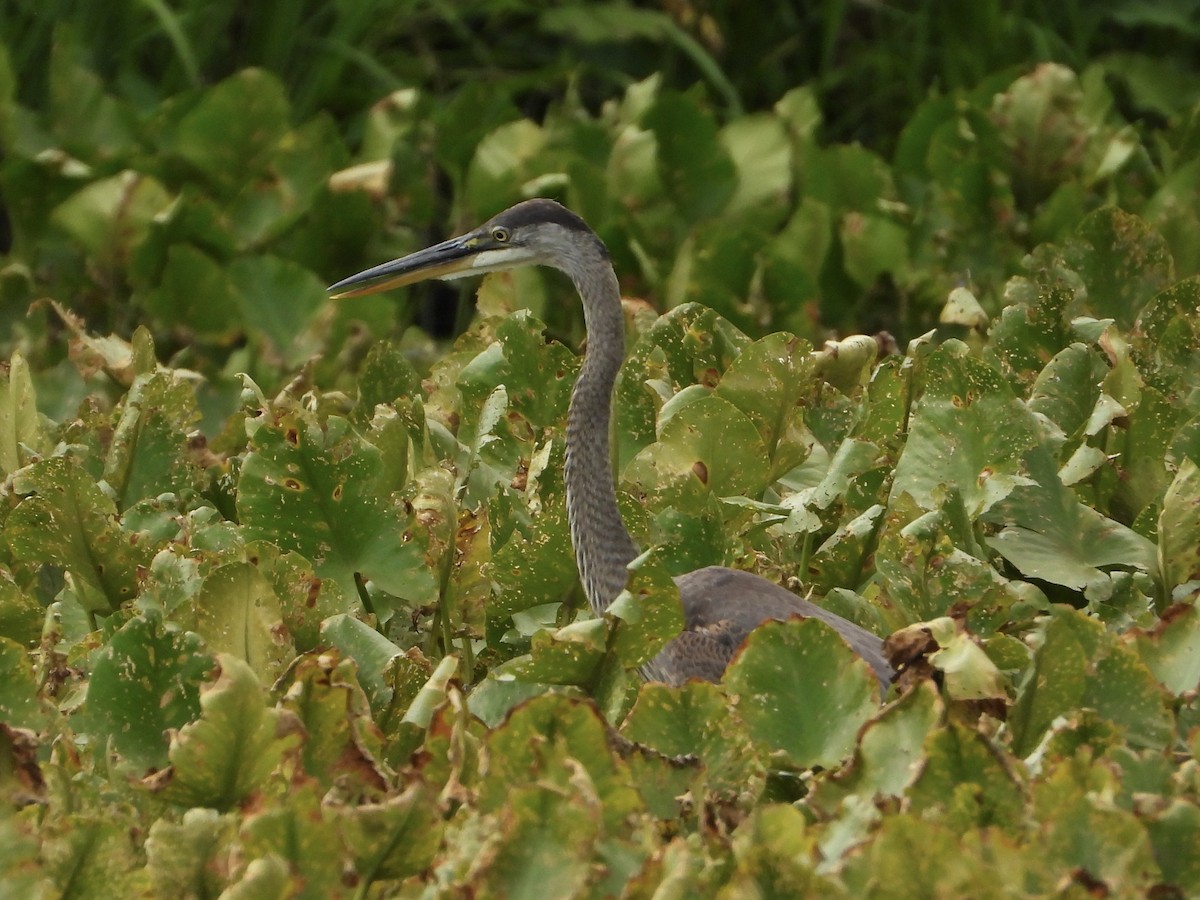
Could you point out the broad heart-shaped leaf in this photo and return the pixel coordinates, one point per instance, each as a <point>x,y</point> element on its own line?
<point>342,744</point>
<point>648,613</point>
<point>233,131</point>
<point>767,382</point>
<point>924,574</point>
<point>696,719</point>
<point>372,653</point>
<point>110,216</point>
<point>967,779</point>
<point>236,612</point>
<point>1123,263</point>
<point>890,751</point>
<point>968,432</point>
<point>396,838</point>
<point>536,564</point>
<point>1031,329</point>
<point>386,376</point>
<point>194,292</point>
<point>776,853</point>
<point>1172,649</point>
<point>145,681</point>
<point>1166,343</point>
<point>21,434</point>
<point>1050,535</point>
<point>710,441</point>
<point>1080,829</point>
<point>534,744</point>
<point>94,855</point>
<point>148,452</point>
<point>300,832</point>
<point>802,692</point>
<point>316,491</point>
<point>19,704</point>
<point>688,345</point>
<point>544,842</point>
<point>69,520</point>
<point>279,300</point>
<point>1066,390</point>
<point>187,857</point>
<point>21,616</point>
<point>696,169</point>
<point>233,747</point>
<point>1179,528</point>
<point>1080,665</point>
<point>572,655</point>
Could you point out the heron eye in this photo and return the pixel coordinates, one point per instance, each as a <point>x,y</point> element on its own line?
<point>500,235</point>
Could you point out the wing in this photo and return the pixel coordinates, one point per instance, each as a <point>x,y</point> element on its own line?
<point>722,606</point>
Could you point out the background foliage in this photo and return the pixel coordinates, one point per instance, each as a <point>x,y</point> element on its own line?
<point>286,595</point>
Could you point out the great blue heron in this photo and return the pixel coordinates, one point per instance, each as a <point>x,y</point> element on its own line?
<point>721,606</point>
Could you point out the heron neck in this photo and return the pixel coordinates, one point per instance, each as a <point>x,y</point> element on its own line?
<point>603,547</point>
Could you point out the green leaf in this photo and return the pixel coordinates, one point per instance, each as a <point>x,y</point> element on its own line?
<point>802,692</point>
<point>572,655</point>
<point>532,748</point>
<point>891,752</point>
<point>189,857</point>
<point>506,156</point>
<point>313,490</point>
<point>873,246</point>
<point>696,719</point>
<point>1175,837</point>
<point>1079,665</point>
<point>371,652</point>
<point>21,433</point>
<point>20,706</point>
<point>92,857</point>
<point>688,345</point>
<point>1081,831</point>
<point>767,382</point>
<point>298,832</point>
<point>396,838</point>
<point>649,614</point>
<point>759,148</point>
<point>967,781</point>
<point>1179,528</point>
<point>111,216</point>
<point>194,292</point>
<point>1053,685</point>
<point>1171,650</point>
<point>236,612</point>
<point>1051,535</point>
<point>1067,390</point>
<point>342,745</point>
<point>148,453</point>
<point>234,130</point>
<point>233,748</point>
<point>775,852</point>
<point>967,432</point>
<point>709,442</point>
<point>279,300</point>
<point>696,169</point>
<point>1123,262</point>
<point>386,376</point>
<point>145,682</point>
<point>70,521</point>
<point>21,616</point>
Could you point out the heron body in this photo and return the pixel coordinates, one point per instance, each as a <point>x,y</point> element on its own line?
<point>721,606</point>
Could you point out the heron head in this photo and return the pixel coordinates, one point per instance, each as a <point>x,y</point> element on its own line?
<point>534,232</point>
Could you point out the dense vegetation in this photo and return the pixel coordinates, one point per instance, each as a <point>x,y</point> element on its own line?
<point>287,606</point>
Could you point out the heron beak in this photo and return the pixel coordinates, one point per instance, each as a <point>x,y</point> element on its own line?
<point>449,259</point>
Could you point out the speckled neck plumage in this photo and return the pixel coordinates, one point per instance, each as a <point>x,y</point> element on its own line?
<point>603,547</point>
